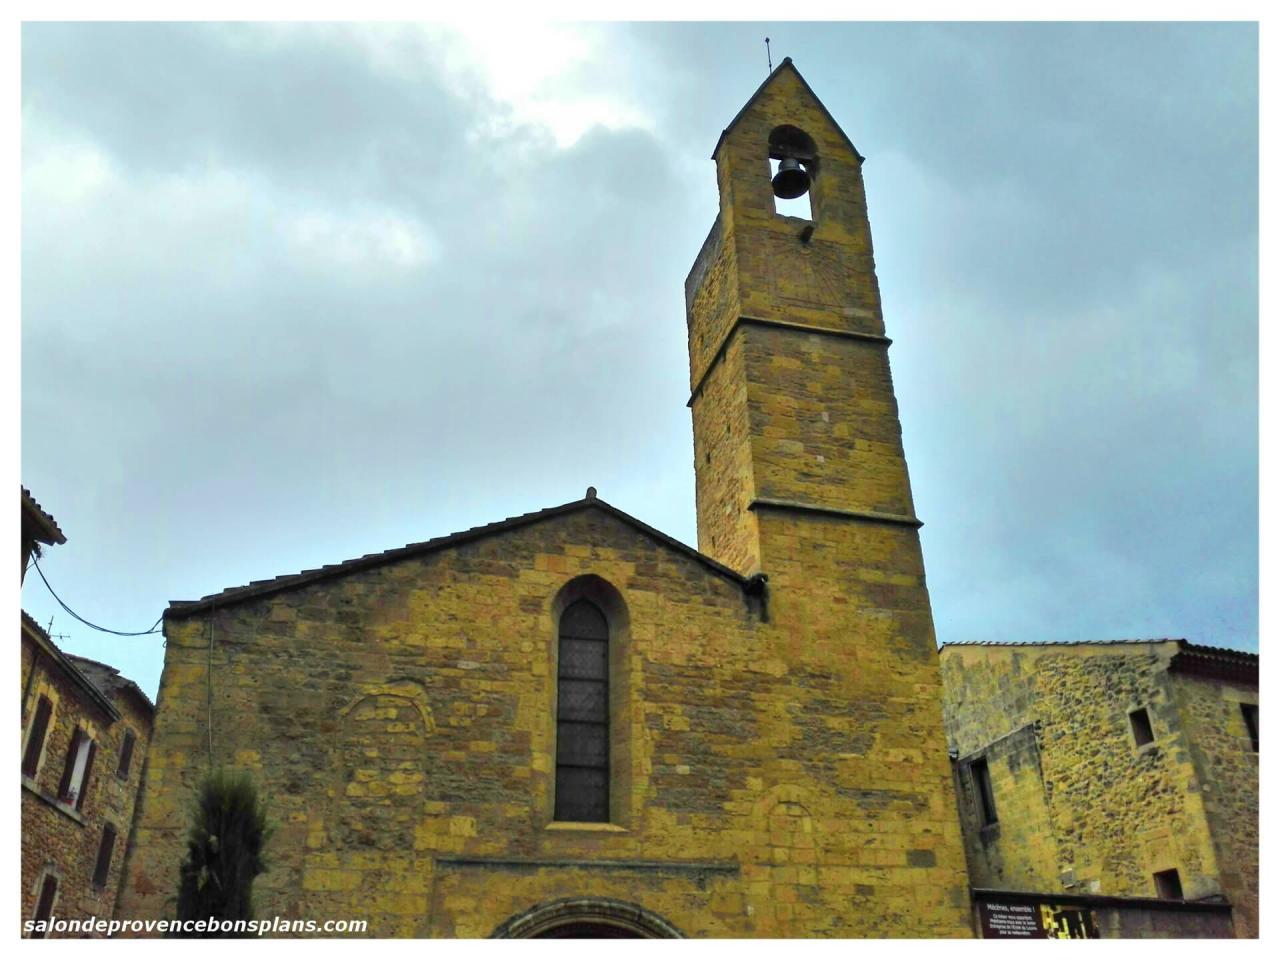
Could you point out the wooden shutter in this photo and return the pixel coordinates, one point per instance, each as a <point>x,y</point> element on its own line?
<point>126,755</point>
<point>44,906</point>
<point>103,868</point>
<point>35,739</point>
<point>84,780</point>
<point>582,716</point>
<point>65,786</point>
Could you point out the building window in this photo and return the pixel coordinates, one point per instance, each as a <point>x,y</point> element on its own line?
<point>1250,711</point>
<point>1168,885</point>
<point>986,799</point>
<point>44,906</point>
<point>1140,721</point>
<point>126,755</point>
<point>105,848</point>
<point>75,776</point>
<point>582,715</point>
<point>38,730</point>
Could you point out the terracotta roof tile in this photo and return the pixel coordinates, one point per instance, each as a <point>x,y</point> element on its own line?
<point>1184,646</point>
<point>258,588</point>
<point>47,530</point>
<point>108,679</point>
<point>69,667</point>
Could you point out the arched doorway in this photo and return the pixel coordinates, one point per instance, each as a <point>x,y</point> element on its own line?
<point>587,918</point>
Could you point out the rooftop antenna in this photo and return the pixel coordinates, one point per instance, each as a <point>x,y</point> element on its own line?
<point>768,53</point>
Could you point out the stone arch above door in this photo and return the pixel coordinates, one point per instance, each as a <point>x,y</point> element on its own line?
<point>596,917</point>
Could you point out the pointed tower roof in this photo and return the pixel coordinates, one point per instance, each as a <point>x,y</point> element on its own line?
<point>787,65</point>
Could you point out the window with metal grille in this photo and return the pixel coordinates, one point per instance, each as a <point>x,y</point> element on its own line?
<point>126,755</point>
<point>1250,711</point>
<point>75,775</point>
<point>35,736</point>
<point>982,787</point>
<point>582,715</point>
<point>44,906</point>
<point>105,848</point>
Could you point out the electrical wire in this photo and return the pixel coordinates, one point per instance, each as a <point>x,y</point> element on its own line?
<point>118,633</point>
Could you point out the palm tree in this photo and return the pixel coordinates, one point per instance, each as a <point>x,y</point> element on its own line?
<point>224,851</point>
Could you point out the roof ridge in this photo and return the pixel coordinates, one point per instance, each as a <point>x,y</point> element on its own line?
<point>96,663</point>
<point>1182,642</point>
<point>1060,643</point>
<point>113,675</point>
<point>286,581</point>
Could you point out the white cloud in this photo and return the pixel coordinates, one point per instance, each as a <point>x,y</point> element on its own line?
<point>60,169</point>
<point>362,238</point>
<point>540,73</point>
<point>562,78</point>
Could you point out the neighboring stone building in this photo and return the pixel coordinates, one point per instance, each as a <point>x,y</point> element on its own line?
<point>85,731</point>
<point>568,723</point>
<point>1106,771</point>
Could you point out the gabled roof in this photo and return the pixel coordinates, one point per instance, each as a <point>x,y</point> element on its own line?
<point>1190,658</point>
<point>261,588</point>
<point>1135,641</point>
<point>1057,643</point>
<point>110,680</point>
<point>42,526</point>
<point>786,64</point>
<point>69,669</point>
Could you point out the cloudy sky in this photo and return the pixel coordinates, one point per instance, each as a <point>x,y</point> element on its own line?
<point>293,294</point>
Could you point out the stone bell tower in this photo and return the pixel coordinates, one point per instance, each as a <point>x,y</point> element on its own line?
<point>801,476</point>
<point>793,406</point>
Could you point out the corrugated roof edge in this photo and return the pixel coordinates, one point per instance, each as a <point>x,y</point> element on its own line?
<point>260,588</point>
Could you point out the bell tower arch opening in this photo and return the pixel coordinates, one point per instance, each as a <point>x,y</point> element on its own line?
<point>793,170</point>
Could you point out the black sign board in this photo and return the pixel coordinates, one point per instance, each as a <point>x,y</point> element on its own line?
<point>1035,921</point>
<point>1004,920</point>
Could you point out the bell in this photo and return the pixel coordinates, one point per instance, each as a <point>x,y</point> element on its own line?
<point>791,180</point>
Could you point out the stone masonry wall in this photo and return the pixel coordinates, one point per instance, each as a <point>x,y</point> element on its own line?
<point>1117,813</point>
<point>400,724</point>
<point>824,422</point>
<point>722,440</point>
<point>56,838</point>
<point>1020,850</point>
<point>1228,768</point>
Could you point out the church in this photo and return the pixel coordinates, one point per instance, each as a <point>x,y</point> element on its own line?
<point>570,724</point>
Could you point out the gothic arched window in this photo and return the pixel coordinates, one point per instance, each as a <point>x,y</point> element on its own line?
<point>582,715</point>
